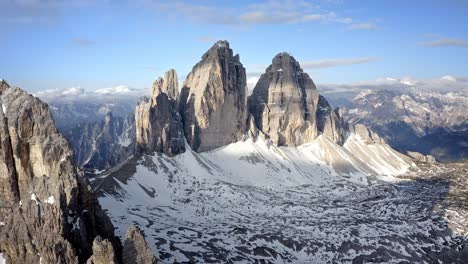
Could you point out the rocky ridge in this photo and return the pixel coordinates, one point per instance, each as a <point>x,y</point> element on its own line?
<point>48,211</point>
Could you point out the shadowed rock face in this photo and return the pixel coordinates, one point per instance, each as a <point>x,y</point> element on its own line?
<point>103,144</point>
<point>330,122</point>
<point>136,250</point>
<point>213,100</point>
<point>284,103</point>
<point>48,209</point>
<point>158,122</point>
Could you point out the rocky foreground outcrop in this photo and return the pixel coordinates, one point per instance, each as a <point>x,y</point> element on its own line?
<point>284,103</point>
<point>48,211</point>
<point>158,122</point>
<point>213,100</point>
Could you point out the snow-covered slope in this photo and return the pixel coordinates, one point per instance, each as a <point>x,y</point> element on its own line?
<point>251,200</point>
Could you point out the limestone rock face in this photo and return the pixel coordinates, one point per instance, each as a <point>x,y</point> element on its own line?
<point>284,103</point>
<point>168,85</point>
<point>421,157</point>
<point>47,208</point>
<point>330,122</point>
<point>158,122</point>
<point>136,250</point>
<point>213,100</point>
<point>366,134</point>
<point>103,252</point>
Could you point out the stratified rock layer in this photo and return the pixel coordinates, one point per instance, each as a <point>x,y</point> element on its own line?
<point>213,100</point>
<point>158,123</point>
<point>47,209</point>
<point>284,103</point>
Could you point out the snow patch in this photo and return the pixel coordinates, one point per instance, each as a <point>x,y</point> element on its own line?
<point>50,200</point>
<point>2,259</point>
<point>2,223</point>
<point>34,198</point>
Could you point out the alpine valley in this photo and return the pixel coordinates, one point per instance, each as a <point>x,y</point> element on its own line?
<point>208,172</point>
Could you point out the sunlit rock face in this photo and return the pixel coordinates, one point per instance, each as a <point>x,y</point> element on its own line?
<point>284,103</point>
<point>157,120</point>
<point>48,212</point>
<point>213,100</point>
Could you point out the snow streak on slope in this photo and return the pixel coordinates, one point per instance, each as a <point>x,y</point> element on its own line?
<point>251,202</point>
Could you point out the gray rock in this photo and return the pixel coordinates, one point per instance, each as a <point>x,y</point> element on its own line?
<point>417,120</point>
<point>103,252</point>
<point>284,103</point>
<point>416,156</point>
<point>136,250</point>
<point>158,123</point>
<point>48,208</point>
<point>366,134</point>
<point>330,122</point>
<point>169,85</point>
<point>103,144</point>
<point>213,100</point>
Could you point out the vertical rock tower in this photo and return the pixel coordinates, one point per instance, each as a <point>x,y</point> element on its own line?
<point>213,100</point>
<point>157,120</point>
<point>284,103</point>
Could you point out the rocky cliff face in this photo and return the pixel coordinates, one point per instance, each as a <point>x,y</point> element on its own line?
<point>103,144</point>
<point>136,250</point>
<point>48,211</point>
<point>158,123</point>
<point>213,100</point>
<point>330,122</point>
<point>284,103</point>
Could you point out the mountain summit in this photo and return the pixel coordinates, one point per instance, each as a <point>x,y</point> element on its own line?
<point>213,100</point>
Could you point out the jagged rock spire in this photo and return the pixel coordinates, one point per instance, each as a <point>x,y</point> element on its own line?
<point>157,120</point>
<point>284,103</point>
<point>213,100</point>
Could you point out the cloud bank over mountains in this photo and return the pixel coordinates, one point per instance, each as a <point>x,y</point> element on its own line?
<point>110,94</point>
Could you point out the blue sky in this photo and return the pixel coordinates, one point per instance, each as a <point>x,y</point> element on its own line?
<point>96,44</point>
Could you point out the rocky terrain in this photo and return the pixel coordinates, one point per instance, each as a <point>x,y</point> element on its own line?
<point>214,176</point>
<point>103,144</point>
<point>48,212</point>
<point>301,185</point>
<point>252,202</point>
<point>427,122</point>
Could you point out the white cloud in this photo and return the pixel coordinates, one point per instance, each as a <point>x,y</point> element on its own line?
<point>117,90</point>
<point>362,26</point>
<point>120,92</point>
<point>329,63</point>
<point>445,42</point>
<point>266,12</point>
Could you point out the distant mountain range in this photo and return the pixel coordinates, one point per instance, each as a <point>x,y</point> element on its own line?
<point>432,123</point>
